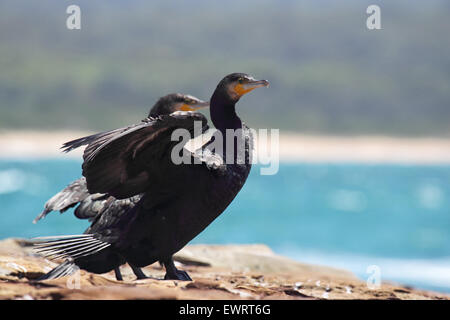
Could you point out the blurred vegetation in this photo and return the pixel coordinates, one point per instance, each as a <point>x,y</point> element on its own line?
<point>328,73</point>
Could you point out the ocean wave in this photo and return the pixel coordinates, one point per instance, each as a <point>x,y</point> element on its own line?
<point>15,180</point>
<point>11,180</point>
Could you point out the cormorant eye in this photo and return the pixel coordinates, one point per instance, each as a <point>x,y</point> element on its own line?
<point>241,80</point>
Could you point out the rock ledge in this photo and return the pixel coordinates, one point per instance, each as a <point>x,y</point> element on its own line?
<point>219,272</point>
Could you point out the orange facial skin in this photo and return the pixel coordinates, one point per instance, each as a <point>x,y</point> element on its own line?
<point>240,90</point>
<point>186,107</point>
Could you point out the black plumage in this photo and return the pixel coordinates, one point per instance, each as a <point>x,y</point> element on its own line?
<point>177,201</point>
<point>91,205</point>
<point>76,193</point>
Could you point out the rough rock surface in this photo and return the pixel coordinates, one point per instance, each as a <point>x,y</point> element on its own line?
<point>219,272</point>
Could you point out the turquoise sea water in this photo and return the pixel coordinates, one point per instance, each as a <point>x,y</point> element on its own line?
<point>345,215</point>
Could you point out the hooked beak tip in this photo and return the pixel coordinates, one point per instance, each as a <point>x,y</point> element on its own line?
<point>259,83</point>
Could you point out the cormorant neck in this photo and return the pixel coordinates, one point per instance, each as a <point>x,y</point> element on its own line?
<point>223,116</point>
<point>223,112</point>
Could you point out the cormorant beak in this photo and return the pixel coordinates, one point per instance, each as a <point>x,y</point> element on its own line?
<point>195,106</point>
<point>246,87</point>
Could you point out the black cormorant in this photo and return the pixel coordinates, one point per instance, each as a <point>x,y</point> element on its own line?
<point>177,201</point>
<point>91,205</point>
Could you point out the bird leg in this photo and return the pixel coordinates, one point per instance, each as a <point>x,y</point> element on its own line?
<point>172,273</point>
<point>138,272</point>
<point>118,274</point>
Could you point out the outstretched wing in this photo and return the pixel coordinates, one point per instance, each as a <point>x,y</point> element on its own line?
<point>98,204</point>
<point>99,138</point>
<point>127,161</point>
<point>66,198</point>
<point>76,193</point>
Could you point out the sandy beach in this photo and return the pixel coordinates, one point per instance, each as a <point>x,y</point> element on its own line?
<point>364,149</point>
<point>292,147</point>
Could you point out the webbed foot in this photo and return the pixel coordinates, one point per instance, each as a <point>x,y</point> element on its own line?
<point>172,273</point>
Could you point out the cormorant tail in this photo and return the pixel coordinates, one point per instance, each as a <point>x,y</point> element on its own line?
<point>66,268</point>
<point>69,247</point>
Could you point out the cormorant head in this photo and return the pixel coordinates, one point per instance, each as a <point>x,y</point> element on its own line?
<point>176,102</point>
<point>235,85</point>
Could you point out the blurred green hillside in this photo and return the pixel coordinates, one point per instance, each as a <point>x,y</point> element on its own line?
<point>328,73</point>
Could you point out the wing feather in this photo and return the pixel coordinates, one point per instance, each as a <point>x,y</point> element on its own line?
<point>66,198</point>
<point>126,163</point>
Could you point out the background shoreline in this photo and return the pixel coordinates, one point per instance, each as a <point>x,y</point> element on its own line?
<point>293,147</point>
